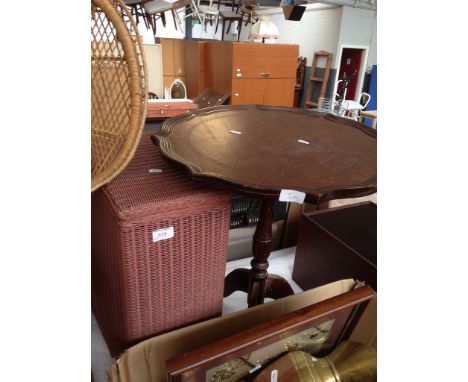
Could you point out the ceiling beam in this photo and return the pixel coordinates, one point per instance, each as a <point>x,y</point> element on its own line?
<point>362,4</point>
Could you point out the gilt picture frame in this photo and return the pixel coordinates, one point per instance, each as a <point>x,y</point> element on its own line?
<point>316,329</point>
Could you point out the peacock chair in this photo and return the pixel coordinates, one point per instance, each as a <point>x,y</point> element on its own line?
<point>118,89</point>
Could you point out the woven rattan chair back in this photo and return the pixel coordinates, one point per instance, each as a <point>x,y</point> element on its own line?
<point>118,89</point>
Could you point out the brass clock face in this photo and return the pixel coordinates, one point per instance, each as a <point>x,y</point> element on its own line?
<point>310,340</point>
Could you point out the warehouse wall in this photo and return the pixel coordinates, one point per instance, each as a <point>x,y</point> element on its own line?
<point>153,54</point>
<point>322,27</point>
<point>318,29</point>
<point>359,27</point>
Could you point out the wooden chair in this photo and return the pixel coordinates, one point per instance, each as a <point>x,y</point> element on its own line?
<point>182,5</point>
<point>300,76</point>
<point>137,11</point>
<point>233,3</point>
<point>208,13</point>
<point>229,16</point>
<point>156,9</point>
<point>248,11</point>
<point>369,114</point>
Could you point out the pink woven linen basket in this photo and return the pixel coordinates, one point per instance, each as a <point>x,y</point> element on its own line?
<point>142,286</point>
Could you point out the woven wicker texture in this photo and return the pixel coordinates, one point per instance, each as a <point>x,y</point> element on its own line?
<point>139,287</point>
<point>118,89</point>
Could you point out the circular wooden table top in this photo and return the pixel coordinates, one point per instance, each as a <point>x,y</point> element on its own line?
<point>260,150</point>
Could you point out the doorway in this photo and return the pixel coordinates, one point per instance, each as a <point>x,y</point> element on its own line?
<point>351,68</point>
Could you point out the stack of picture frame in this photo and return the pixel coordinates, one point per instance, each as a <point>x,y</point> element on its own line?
<point>317,329</point>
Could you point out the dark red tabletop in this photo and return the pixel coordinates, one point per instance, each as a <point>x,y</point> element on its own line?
<point>260,150</point>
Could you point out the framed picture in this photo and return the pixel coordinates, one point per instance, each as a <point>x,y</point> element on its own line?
<point>316,329</point>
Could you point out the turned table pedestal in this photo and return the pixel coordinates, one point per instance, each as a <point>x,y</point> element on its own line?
<point>261,151</point>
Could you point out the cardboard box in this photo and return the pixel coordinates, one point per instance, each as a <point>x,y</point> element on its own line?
<point>145,362</point>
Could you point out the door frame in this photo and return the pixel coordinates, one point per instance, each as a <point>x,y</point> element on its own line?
<point>362,71</point>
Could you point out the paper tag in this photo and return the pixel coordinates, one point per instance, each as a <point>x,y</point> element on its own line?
<point>154,170</point>
<point>292,196</point>
<point>274,376</point>
<point>163,234</point>
<point>255,369</point>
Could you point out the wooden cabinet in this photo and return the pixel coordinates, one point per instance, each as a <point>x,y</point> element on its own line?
<point>277,92</point>
<point>264,74</point>
<point>173,60</point>
<point>246,92</point>
<point>274,92</point>
<point>195,64</point>
<point>254,60</point>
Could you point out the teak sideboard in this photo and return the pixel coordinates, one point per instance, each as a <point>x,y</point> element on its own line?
<point>252,73</point>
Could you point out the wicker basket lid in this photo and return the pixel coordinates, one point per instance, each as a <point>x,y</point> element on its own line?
<point>118,89</point>
<point>150,185</point>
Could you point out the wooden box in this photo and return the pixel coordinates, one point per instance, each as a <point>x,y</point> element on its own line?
<point>161,109</point>
<point>335,244</point>
<point>316,329</point>
<point>145,362</point>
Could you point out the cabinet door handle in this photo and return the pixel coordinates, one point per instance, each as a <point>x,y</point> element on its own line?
<point>265,74</point>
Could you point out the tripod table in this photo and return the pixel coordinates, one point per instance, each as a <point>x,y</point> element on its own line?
<point>265,152</point>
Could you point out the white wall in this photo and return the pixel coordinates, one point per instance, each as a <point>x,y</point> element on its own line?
<point>372,59</point>
<point>359,27</point>
<point>153,55</point>
<point>317,30</point>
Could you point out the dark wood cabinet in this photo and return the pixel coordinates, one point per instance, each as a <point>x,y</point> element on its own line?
<point>336,244</point>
